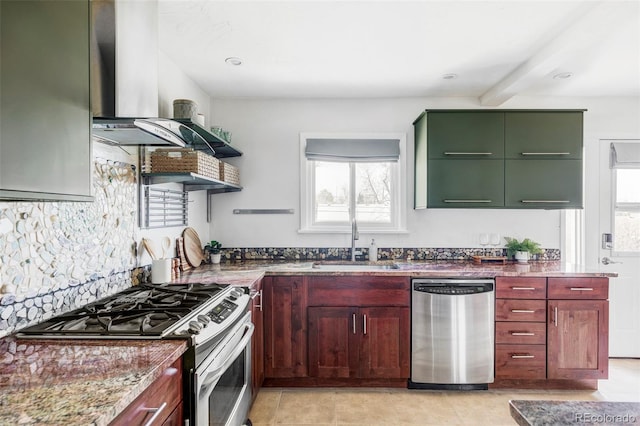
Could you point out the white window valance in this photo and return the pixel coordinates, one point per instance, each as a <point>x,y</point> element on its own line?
<point>353,150</point>
<point>625,155</point>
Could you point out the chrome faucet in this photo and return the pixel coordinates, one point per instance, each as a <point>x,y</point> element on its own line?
<point>354,236</point>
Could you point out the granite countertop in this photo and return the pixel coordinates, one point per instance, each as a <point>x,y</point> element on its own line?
<point>248,272</point>
<point>77,382</point>
<point>538,413</point>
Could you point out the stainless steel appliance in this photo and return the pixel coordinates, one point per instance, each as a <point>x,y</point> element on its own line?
<point>212,318</point>
<point>452,333</point>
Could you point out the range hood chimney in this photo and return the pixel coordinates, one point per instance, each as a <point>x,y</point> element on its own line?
<point>124,77</point>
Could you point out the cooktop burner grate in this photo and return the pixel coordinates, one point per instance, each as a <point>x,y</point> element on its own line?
<point>142,311</point>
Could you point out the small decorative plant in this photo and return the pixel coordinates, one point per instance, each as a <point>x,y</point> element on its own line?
<point>521,249</point>
<point>214,247</point>
<point>214,251</point>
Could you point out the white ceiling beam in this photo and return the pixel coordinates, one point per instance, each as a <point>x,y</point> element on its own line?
<point>590,23</point>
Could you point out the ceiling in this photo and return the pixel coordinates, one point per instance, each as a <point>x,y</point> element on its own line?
<point>345,49</point>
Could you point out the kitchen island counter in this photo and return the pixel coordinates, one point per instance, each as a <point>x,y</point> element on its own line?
<point>77,382</point>
<point>534,413</point>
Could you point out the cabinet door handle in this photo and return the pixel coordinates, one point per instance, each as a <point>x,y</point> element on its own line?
<point>522,333</point>
<point>467,201</point>
<point>255,296</point>
<point>364,322</point>
<point>156,413</point>
<point>555,316</point>
<point>523,288</point>
<point>522,311</point>
<point>581,289</point>
<point>353,317</point>
<point>467,153</point>
<point>523,356</point>
<point>545,201</point>
<point>545,153</point>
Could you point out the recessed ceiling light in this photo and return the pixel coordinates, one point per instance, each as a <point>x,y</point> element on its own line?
<point>450,76</point>
<point>563,75</point>
<point>233,61</point>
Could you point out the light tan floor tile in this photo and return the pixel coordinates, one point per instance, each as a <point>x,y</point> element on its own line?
<point>306,407</point>
<point>404,407</point>
<point>364,407</point>
<point>265,406</point>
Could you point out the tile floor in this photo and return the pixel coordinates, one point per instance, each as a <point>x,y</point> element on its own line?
<point>396,407</point>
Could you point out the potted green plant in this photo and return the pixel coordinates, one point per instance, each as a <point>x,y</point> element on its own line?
<point>214,251</point>
<point>521,250</point>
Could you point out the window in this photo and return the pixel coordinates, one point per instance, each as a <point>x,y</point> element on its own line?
<point>625,162</point>
<point>352,177</point>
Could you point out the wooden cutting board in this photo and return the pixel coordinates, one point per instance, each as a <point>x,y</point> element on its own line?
<point>184,265</point>
<point>192,247</point>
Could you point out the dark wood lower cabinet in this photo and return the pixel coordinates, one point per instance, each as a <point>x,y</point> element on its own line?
<point>164,395</point>
<point>350,342</point>
<point>577,344</point>
<point>285,332</point>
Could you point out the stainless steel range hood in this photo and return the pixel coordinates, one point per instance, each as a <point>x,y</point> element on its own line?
<point>124,78</point>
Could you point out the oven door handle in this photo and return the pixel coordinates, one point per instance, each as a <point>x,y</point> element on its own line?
<point>214,375</point>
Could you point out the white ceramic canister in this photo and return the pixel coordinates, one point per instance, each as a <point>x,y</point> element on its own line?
<point>160,271</point>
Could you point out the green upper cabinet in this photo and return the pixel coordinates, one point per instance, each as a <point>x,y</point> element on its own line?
<point>467,183</point>
<point>542,134</point>
<point>465,134</point>
<point>499,159</point>
<point>548,184</point>
<point>45,109</point>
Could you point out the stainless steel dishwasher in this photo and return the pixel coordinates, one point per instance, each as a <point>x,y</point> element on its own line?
<point>452,333</point>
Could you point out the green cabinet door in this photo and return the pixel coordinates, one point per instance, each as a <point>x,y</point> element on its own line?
<point>465,183</point>
<point>420,163</point>
<point>468,134</point>
<point>549,184</point>
<point>543,134</point>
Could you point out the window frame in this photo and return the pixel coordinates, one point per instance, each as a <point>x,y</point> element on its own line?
<point>622,206</point>
<point>307,189</point>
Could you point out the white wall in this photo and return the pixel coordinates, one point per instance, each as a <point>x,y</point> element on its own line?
<point>267,131</point>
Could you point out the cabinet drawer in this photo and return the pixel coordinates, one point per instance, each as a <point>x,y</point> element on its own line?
<point>521,362</point>
<point>167,390</point>
<point>521,288</point>
<point>521,310</point>
<point>530,333</point>
<point>578,288</point>
<point>358,291</point>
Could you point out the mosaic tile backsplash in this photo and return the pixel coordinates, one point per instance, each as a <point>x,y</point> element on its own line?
<point>56,256</point>
<point>384,253</point>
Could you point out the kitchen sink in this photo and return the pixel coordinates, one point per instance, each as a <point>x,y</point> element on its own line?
<point>353,267</point>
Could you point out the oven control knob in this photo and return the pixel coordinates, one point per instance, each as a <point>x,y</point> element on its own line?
<point>203,319</point>
<point>195,327</point>
<point>236,294</point>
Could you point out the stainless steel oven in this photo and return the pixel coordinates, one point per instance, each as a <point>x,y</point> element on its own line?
<point>222,381</point>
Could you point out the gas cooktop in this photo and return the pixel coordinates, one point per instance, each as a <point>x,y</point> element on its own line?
<point>144,311</point>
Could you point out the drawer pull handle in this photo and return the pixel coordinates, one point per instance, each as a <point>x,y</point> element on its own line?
<point>581,289</point>
<point>545,201</point>
<point>467,201</point>
<point>156,413</point>
<point>467,153</point>
<point>522,311</point>
<point>523,288</point>
<point>522,333</point>
<point>527,356</point>
<point>353,317</point>
<point>545,153</point>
